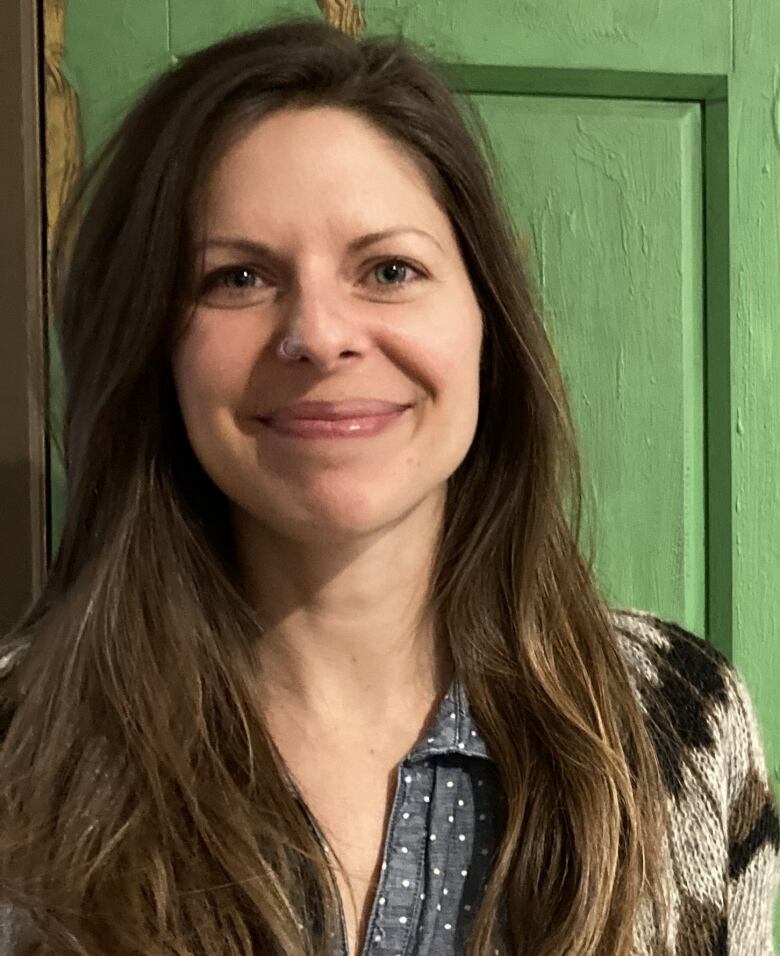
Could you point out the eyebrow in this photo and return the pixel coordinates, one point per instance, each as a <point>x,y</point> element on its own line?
<point>252,247</point>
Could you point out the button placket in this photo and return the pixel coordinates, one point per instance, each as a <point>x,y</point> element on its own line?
<point>398,913</point>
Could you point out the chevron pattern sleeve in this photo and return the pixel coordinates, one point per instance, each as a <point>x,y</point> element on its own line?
<point>753,830</point>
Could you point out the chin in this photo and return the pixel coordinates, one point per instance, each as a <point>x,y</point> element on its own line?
<point>353,516</point>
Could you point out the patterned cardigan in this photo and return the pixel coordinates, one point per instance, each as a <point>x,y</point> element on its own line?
<point>722,854</point>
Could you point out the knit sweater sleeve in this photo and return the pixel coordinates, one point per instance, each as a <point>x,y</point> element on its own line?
<point>753,829</point>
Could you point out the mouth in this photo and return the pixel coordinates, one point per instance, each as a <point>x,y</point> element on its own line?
<point>356,426</point>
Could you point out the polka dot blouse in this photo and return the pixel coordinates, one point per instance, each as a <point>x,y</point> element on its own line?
<point>440,841</point>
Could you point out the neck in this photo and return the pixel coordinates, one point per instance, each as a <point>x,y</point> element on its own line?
<point>348,637</point>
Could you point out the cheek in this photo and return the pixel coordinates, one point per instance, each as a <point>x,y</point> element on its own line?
<point>449,352</point>
<point>463,358</point>
<point>209,371</point>
<point>453,351</point>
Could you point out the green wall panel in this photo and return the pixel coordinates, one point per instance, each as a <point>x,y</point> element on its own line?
<point>195,23</point>
<point>609,194</point>
<point>653,36</point>
<point>753,216</point>
<point>691,36</point>
<point>112,50</point>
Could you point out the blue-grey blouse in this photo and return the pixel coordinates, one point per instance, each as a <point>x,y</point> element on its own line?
<point>441,838</point>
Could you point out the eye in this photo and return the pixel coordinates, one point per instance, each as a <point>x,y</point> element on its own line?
<point>231,287</point>
<point>218,277</point>
<point>241,285</point>
<point>399,266</point>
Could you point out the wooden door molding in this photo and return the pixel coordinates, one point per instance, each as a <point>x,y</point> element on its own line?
<point>344,14</point>
<point>23,457</point>
<point>63,122</point>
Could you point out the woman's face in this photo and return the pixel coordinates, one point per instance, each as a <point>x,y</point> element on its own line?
<point>394,319</point>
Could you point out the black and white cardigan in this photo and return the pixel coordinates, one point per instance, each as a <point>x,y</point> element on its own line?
<point>722,854</point>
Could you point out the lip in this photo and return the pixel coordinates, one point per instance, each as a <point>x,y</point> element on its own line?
<point>333,411</point>
<point>361,426</point>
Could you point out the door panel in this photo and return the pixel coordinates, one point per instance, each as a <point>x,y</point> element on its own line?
<point>608,195</point>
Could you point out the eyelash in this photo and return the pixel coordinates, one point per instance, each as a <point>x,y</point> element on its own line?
<point>213,277</point>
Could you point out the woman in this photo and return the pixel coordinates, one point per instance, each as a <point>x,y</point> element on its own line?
<point>318,667</point>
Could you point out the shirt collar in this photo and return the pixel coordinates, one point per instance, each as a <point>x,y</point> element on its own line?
<point>453,730</point>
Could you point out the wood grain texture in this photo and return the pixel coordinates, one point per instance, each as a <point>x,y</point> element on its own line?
<point>23,484</point>
<point>344,14</point>
<point>64,158</point>
<point>63,123</point>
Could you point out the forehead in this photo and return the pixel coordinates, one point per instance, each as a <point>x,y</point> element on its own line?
<point>304,163</point>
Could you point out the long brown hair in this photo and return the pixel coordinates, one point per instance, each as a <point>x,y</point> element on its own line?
<point>143,806</point>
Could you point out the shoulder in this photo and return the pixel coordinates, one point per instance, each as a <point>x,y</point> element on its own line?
<point>705,730</point>
<point>664,656</point>
<point>686,689</point>
<point>724,837</point>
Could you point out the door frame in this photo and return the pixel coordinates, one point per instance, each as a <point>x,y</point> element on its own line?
<point>23,333</point>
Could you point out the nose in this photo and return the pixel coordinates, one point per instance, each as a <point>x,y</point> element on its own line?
<point>320,326</point>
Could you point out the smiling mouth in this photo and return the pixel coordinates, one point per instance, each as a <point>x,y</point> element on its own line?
<point>362,426</point>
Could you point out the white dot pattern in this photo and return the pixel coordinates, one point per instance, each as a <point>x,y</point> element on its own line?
<point>440,842</point>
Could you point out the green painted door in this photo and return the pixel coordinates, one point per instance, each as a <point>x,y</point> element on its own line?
<point>639,150</point>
